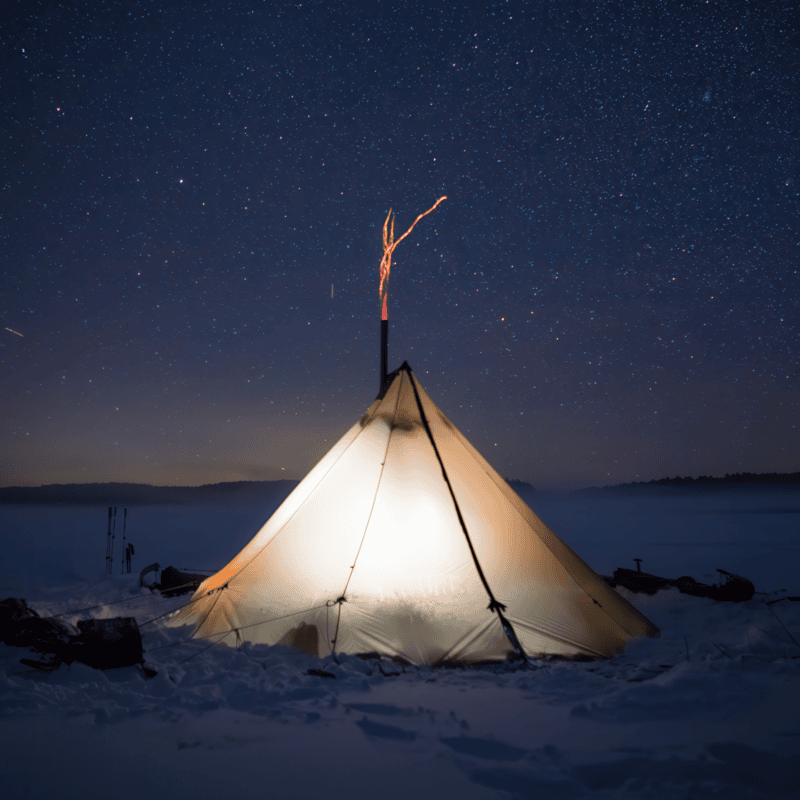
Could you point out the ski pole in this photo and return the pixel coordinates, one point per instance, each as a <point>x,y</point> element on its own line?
<point>124,528</point>
<point>108,541</point>
<point>113,535</point>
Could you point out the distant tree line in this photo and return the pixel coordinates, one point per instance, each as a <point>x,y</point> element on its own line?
<point>139,493</point>
<point>737,479</point>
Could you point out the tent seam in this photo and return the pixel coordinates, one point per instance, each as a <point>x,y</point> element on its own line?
<point>366,527</point>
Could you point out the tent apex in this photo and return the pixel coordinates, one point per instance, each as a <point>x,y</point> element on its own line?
<point>404,367</point>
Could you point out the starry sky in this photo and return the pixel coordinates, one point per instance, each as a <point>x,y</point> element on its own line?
<point>192,202</point>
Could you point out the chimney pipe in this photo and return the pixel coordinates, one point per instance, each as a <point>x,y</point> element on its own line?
<point>384,351</point>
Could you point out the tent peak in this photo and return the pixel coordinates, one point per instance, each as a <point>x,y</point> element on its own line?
<point>404,367</point>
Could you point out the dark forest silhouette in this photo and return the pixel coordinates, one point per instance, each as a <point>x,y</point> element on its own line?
<point>145,494</point>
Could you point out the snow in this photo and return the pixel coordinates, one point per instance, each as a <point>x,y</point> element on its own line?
<point>710,709</point>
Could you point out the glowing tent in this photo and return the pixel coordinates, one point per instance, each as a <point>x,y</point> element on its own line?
<point>404,542</point>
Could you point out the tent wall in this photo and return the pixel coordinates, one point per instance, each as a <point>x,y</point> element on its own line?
<point>368,551</point>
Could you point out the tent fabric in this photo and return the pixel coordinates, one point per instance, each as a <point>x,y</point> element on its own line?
<point>367,555</point>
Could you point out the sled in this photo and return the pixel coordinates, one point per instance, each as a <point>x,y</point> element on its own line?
<point>173,582</point>
<point>733,588</point>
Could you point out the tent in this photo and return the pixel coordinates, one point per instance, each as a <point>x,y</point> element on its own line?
<point>404,542</point>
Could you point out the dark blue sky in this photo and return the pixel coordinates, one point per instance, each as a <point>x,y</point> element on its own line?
<point>192,204</point>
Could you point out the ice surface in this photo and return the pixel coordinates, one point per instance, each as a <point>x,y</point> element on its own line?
<point>710,709</point>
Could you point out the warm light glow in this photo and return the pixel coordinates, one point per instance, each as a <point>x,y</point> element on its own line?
<point>368,555</point>
<point>389,245</point>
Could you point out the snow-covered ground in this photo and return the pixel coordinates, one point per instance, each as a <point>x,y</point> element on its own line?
<point>711,709</point>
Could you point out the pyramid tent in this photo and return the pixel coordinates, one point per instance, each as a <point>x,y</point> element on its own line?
<point>404,542</point>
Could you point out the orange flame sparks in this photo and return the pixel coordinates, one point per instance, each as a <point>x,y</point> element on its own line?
<point>389,245</point>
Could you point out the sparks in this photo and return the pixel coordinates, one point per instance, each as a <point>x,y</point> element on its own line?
<point>389,245</point>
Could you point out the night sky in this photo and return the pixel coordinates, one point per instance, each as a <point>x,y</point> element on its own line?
<point>192,203</point>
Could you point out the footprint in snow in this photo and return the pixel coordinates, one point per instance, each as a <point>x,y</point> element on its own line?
<point>382,731</point>
<point>484,748</point>
<point>765,771</point>
<point>764,774</point>
<point>381,709</point>
<point>526,786</point>
<point>185,745</point>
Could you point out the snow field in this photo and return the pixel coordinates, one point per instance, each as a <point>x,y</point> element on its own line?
<point>710,709</point>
